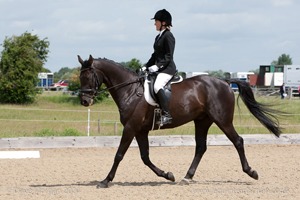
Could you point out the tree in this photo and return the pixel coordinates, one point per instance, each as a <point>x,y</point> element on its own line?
<point>45,70</point>
<point>218,74</point>
<point>74,83</point>
<point>63,74</point>
<point>284,59</point>
<point>22,59</point>
<point>133,64</point>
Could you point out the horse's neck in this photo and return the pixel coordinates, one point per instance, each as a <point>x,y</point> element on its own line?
<point>115,77</point>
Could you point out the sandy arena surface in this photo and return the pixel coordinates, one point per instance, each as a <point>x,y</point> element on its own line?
<point>73,174</point>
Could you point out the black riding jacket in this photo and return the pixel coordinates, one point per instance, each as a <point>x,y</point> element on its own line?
<point>162,56</point>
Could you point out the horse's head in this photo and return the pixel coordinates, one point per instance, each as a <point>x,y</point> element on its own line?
<point>89,81</point>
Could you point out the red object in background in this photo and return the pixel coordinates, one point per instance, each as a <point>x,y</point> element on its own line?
<point>61,83</point>
<point>253,78</point>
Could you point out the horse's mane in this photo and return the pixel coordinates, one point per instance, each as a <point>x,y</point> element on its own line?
<point>118,64</point>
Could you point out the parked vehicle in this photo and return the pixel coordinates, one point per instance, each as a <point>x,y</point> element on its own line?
<point>243,76</point>
<point>61,83</point>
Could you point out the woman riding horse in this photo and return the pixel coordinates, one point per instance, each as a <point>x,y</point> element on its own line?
<point>161,60</point>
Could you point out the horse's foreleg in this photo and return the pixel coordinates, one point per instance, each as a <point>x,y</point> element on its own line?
<point>201,146</point>
<point>123,147</point>
<point>142,140</point>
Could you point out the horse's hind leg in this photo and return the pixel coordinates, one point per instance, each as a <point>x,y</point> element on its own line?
<point>201,127</point>
<point>238,142</point>
<point>142,140</point>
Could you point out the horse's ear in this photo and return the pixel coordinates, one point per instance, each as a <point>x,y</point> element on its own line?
<point>80,60</point>
<point>91,59</point>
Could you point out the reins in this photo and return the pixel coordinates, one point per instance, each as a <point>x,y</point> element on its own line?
<point>97,84</point>
<point>120,85</point>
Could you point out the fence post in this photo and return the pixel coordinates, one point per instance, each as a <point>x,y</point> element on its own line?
<point>99,124</point>
<point>116,128</point>
<point>88,127</point>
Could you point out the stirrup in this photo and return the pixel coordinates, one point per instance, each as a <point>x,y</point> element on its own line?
<point>165,119</point>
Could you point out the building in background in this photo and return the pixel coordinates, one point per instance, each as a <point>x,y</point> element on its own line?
<point>45,80</point>
<point>276,75</point>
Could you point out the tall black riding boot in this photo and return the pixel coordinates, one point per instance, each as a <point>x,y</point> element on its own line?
<point>166,117</point>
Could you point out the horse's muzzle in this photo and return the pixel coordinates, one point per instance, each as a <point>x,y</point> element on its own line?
<point>86,102</point>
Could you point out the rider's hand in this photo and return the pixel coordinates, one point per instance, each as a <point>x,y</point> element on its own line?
<point>141,71</point>
<point>153,68</point>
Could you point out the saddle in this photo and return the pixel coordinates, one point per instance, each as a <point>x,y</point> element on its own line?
<point>149,86</point>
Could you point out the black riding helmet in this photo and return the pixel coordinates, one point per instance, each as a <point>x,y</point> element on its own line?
<point>163,16</point>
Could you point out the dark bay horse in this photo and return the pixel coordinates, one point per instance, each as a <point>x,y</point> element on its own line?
<point>202,99</point>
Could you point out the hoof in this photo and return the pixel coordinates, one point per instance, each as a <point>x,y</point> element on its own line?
<point>170,176</point>
<point>254,175</point>
<point>185,181</point>
<point>102,184</point>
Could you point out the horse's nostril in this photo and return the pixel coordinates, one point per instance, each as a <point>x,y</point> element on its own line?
<point>84,103</point>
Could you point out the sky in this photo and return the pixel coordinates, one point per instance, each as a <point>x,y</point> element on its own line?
<point>227,35</point>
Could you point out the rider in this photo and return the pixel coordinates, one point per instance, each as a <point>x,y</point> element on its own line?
<point>161,60</point>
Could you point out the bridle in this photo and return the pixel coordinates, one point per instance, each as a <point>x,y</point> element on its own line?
<point>93,92</point>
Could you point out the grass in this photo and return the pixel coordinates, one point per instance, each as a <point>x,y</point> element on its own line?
<point>51,132</point>
<point>55,114</point>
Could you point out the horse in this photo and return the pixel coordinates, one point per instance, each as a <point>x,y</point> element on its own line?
<point>202,99</point>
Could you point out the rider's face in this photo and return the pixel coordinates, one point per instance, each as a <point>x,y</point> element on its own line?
<point>157,24</point>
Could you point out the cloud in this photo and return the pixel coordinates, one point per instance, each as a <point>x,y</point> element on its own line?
<point>20,24</point>
<point>280,3</point>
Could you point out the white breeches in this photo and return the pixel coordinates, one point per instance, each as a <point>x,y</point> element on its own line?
<point>161,80</point>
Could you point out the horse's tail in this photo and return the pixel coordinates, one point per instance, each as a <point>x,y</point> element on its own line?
<point>262,112</point>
